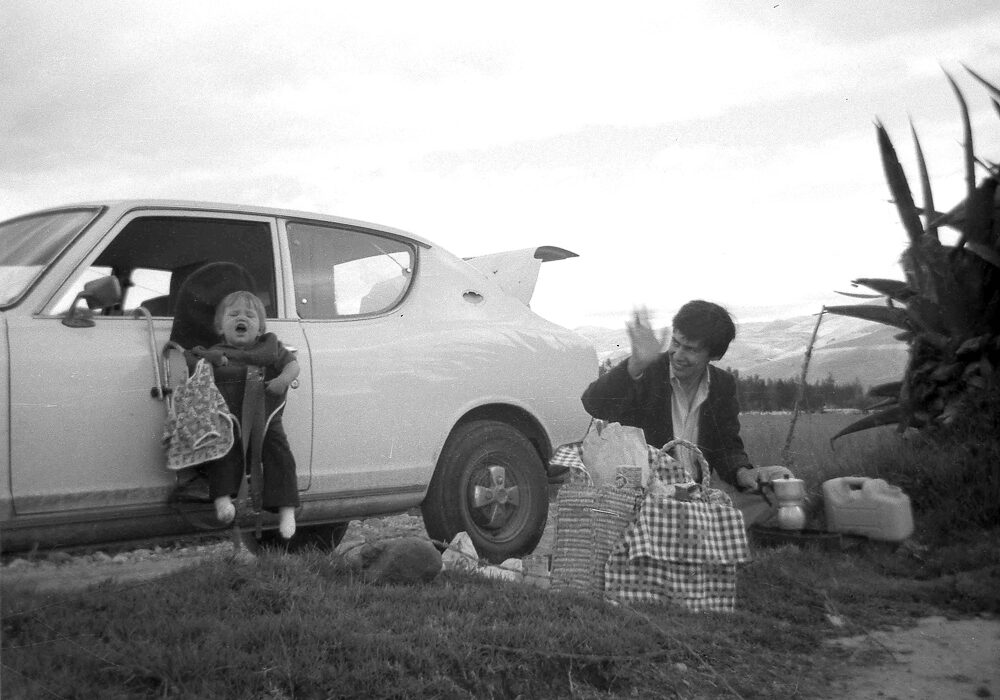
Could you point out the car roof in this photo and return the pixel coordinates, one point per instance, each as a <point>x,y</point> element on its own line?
<point>119,207</point>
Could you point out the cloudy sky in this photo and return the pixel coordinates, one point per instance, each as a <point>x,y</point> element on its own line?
<point>715,149</point>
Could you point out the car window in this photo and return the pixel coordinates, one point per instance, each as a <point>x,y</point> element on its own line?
<point>29,244</point>
<point>153,256</point>
<point>342,272</point>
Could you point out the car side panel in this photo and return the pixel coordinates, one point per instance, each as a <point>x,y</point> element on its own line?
<point>85,431</point>
<point>6,505</point>
<point>388,390</point>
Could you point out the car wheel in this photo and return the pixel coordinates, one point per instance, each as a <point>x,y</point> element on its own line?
<point>490,483</point>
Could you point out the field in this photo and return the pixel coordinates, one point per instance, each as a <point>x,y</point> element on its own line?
<point>811,456</point>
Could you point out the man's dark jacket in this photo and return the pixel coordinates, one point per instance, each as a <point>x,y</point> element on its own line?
<point>645,403</point>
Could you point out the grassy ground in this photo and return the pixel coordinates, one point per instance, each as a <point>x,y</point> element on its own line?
<point>298,626</point>
<point>302,627</point>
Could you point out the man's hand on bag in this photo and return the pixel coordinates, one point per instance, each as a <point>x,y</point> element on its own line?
<point>646,346</point>
<point>751,478</point>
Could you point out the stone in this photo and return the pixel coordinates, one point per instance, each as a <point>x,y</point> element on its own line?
<point>18,564</point>
<point>405,560</point>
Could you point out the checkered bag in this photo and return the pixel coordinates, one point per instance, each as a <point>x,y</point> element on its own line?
<point>685,543</point>
<point>669,470</point>
<point>683,552</point>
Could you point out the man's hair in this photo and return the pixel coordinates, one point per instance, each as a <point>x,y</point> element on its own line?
<point>245,296</point>
<point>708,324</point>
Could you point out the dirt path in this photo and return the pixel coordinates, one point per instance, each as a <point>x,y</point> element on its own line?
<point>939,658</point>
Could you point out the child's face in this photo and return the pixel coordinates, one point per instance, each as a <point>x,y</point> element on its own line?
<point>240,324</point>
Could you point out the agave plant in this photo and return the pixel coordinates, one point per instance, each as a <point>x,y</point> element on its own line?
<point>948,306</point>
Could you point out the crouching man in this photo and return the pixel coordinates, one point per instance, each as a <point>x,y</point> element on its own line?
<point>676,393</point>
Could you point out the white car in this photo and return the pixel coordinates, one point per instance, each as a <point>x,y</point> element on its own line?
<point>425,379</point>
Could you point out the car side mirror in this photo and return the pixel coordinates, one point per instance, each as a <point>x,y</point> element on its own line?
<point>99,294</point>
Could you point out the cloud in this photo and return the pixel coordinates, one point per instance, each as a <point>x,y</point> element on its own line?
<point>736,137</point>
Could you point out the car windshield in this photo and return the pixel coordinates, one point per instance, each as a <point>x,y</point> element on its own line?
<point>29,244</point>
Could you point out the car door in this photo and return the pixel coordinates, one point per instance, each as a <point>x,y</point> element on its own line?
<point>351,290</point>
<point>85,429</point>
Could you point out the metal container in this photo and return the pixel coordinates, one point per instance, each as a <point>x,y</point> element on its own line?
<point>791,500</point>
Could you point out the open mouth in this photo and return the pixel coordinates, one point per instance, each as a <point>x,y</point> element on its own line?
<point>241,327</point>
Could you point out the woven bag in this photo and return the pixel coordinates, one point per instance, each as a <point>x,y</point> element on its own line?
<point>589,522</point>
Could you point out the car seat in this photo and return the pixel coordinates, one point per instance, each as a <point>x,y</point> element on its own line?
<point>194,325</point>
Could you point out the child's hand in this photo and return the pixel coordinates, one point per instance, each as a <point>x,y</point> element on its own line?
<point>216,357</point>
<point>277,386</point>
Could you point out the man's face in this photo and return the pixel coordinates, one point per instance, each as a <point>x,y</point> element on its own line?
<point>240,325</point>
<point>688,358</point>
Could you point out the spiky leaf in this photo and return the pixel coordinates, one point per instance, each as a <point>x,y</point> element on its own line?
<point>970,156</point>
<point>898,185</point>
<point>986,253</point>
<point>890,416</point>
<point>880,314</point>
<point>887,389</point>
<point>894,289</point>
<point>856,295</point>
<point>993,89</point>
<point>925,187</point>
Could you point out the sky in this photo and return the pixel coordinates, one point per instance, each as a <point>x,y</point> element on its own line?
<point>715,149</point>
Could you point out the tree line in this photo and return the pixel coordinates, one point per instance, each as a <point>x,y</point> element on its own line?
<point>759,394</point>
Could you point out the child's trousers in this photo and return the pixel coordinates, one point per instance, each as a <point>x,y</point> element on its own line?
<point>280,487</point>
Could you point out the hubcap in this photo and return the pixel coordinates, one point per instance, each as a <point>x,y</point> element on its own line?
<point>493,501</point>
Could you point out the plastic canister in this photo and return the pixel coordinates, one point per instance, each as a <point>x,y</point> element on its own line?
<point>861,505</point>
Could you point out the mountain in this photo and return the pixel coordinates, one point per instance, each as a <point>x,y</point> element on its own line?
<point>847,349</point>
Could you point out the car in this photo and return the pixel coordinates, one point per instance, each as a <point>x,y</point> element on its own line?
<point>426,379</point>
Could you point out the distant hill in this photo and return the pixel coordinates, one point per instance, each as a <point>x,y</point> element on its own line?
<point>846,349</point>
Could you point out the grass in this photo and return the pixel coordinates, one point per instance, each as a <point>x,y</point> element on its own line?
<point>301,626</point>
<point>298,626</point>
<point>812,456</point>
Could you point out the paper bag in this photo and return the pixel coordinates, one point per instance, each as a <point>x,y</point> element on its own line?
<point>609,446</point>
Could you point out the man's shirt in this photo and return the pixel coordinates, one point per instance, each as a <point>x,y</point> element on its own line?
<point>685,412</point>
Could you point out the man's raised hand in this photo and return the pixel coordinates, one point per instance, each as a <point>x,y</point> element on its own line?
<point>646,346</point>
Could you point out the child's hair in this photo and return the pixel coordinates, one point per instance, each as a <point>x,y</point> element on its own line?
<point>707,323</point>
<point>244,296</point>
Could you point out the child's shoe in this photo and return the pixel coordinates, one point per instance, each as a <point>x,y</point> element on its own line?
<point>286,522</point>
<point>225,511</point>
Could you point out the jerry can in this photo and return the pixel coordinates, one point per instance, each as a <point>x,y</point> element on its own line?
<point>860,505</point>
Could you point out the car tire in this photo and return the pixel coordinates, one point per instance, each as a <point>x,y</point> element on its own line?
<point>490,483</point>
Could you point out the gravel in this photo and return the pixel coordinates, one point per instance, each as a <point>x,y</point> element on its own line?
<point>63,570</point>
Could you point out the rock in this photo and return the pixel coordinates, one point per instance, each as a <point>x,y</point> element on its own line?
<point>396,560</point>
<point>510,570</point>
<point>461,554</point>
<point>18,564</point>
<point>58,557</point>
